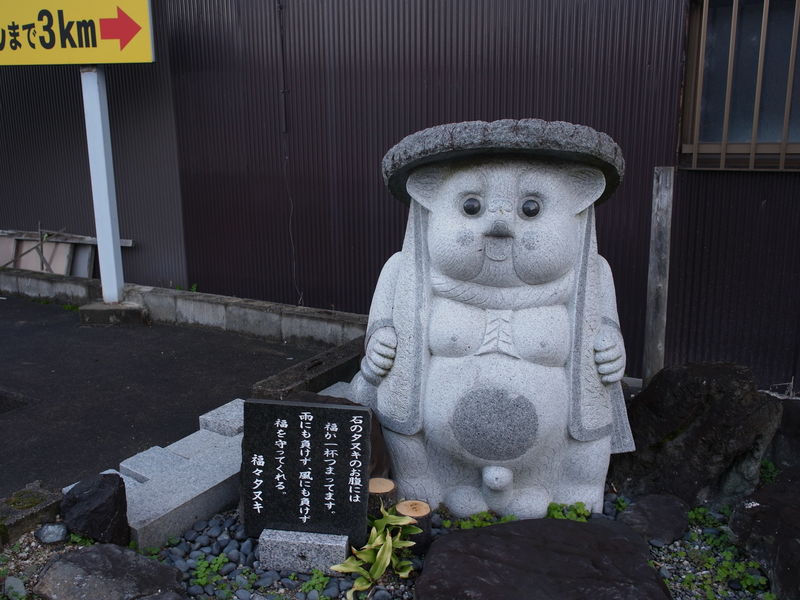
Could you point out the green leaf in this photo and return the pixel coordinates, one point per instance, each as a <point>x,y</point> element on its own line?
<point>403,570</point>
<point>351,565</point>
<point>361,584</point>
<point>368,556</point>
<point>382,560</point>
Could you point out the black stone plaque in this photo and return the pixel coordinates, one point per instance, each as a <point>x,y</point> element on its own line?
<point>305,467</point>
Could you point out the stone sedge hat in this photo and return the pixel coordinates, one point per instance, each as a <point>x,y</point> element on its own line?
<point>555,140</point>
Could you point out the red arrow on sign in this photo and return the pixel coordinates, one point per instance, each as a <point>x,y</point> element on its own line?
<point>123,28</point>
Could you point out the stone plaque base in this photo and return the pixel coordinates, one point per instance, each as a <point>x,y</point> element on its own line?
<point>301,551</point>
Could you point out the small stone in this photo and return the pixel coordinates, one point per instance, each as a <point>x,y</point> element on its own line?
<point>14,588</point>
<point>290,584</point>
<point>200,525</point>
<point>214,532</point>
<point>203,540</point>
<point>177,551</point>
<point>194,590</point>
<point>181,565</point>
<point>332,591</point>
<point>248,560</point>
<point>222,594</point>
<point>215,522</point>
<point>227,568</point>
<point>300,596</point>
<point>657,543</point>
<point>312,595</point>
<point>51,533</point>
<point>710,531</point>
<point>216,548</point>
<point>243,595</point>
<point>664,572</point>
<point>190,535</point>
<point>381,595</point>
<point>734,585</point>
<point>195,554</point>
<point>224,538</point>
<point>232,545</point>
<point>345,584</point>
<point>240,534</point>
<point>233,556</point>
<point>209,589</point>
<point>247,546</point>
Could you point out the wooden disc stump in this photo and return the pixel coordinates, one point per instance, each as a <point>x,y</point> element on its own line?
<point>381,490</point>
<point>421,512</point>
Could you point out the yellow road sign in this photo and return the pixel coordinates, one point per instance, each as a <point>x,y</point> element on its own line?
<point>56,32</point>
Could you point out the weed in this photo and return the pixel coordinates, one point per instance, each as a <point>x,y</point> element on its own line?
<point>317,582</point>
<point>572,512</point>
<point>72,307</point>
<point>80,540</point>
<point>621,503</point>
<point>481,519</point>
<point>208,572</point>
<point>768,472</point>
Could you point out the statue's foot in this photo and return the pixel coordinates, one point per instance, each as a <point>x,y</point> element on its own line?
<point>463,501</point>
<point>590,494</point>
<point>529,502</point>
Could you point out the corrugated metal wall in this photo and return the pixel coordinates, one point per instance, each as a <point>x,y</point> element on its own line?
<point>44,168</point>
<point>285,201</point>
<point>734,290</point>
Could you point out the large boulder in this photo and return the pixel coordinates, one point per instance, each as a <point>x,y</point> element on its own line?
<point>541,559</point>
<point>701,431</point>
<point>109,572</point>
<point>657,517</point>
<point>785,448</point>
<point>97,508</point>
<point>768,525</point>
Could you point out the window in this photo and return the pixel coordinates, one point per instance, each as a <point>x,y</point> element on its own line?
<point>742,94</point>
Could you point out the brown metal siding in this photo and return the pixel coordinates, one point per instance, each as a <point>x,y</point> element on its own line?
<point>44,169</point>
<point>360,75</point>
<point>735,272</point>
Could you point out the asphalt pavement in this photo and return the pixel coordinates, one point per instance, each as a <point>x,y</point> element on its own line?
<point>78,399</point>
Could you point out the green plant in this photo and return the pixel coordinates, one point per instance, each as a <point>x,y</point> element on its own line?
<point>621,503</point>
<point>700,516</point>
<point>481,519</point>
<point>572,512</point>
<point>72,307</point>
<point>80,540</point>
<point>388,539</point>
<point>317,582</point>
<point>193,287</point>
<point>768,472</point>
<point>208,572</point>
<point>293,576</point>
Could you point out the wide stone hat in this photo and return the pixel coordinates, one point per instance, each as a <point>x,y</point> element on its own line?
<point>534,138</point>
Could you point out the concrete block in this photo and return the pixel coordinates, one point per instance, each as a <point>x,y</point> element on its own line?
<point>9,283</point>
<point>304,324</point>
<point>202,442</point>
<point>150,464</point>
<point>170,502</point>
<point>301,551</point>
<point>228,419</point>
<point>193,309</point>
<point>100,313</point>
<point>69,290</point>
<point>351,331</point>
<point>254,318</point>
<point>161,305</point>
<point>35,287</point>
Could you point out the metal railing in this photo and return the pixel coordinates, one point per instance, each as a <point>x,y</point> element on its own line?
<point>697,153</point>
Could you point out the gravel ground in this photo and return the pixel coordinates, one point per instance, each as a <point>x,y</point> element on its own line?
<point>219,562</point>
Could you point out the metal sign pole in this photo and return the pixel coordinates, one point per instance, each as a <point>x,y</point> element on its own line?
<point>104,193</point>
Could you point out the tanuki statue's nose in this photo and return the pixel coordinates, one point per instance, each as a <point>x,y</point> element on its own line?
<point>500,229</point>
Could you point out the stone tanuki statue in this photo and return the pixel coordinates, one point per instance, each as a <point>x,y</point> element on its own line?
<point>493,354</point>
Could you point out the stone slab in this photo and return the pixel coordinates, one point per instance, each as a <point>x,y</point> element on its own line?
<point>340,389</point>
<point>23,509</point>
<point>129,481</point>
<point>301,551</point>
<point>228,419</point>
<point>201,442</point>
<point>100,313</point>
<point>169,503</point>
<point>302,324</point>
<point>151,463</point>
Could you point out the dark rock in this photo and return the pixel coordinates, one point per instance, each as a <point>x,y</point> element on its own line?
<point>109,572</point>
<point>785,448</point>
<point>541,559</point>
<point>701,432</point>
<point>659,516</point>
<point>768,525</point>
<point>51,533</point>
<point>97,508</point>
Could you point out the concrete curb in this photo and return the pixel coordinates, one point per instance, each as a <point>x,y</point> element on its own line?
<point>258,318</point>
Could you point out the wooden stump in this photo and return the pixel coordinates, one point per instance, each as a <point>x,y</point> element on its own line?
<point>421,512</point>
<point>380,490</point>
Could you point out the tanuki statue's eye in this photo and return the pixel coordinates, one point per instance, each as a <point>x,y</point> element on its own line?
<point>472,206</point>
<point>531,208</point>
